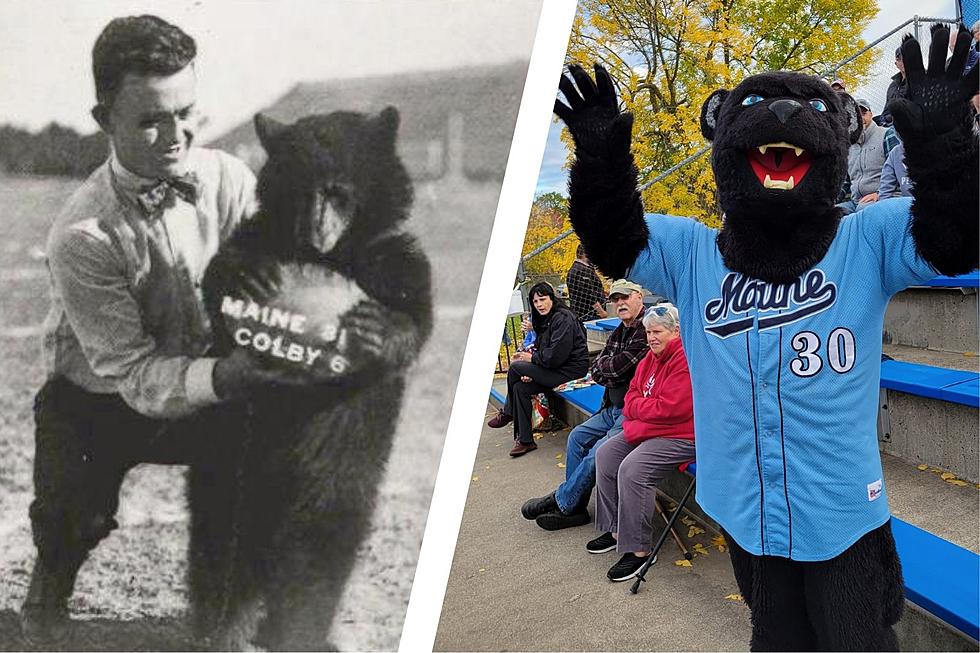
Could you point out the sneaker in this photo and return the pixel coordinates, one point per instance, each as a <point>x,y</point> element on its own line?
<point>627,567</point>
<point>557,520</point>
<point>534,507</point>
<point>601,544</point>
<point>520,449</point>
<point>500,420</point>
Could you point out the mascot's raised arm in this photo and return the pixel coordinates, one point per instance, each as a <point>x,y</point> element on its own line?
<point>781,317</point>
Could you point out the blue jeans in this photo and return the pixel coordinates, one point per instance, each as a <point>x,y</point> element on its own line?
<point>580,457</point>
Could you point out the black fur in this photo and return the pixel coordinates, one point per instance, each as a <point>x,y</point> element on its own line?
<point>279,523</point>
<point>941,152</point>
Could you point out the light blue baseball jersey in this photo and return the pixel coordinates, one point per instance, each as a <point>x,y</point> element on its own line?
<point>785,379</point>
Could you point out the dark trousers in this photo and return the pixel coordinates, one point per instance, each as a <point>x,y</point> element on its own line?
<point>847,603</point>
<point>519,393</point>
<point>84,445</point>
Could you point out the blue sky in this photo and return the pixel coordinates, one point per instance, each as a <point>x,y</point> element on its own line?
<point>553,177</point>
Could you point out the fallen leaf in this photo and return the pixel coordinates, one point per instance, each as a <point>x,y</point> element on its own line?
<point>935,470</point>
<point>482,569</point>
<point>734,597</point>
<point>487,467</point>
<point>683,563</point>
<point>694,530</point>
<point>958,482</point>
<point>476,478</point>
<point>719,543</point>
<point>687,521</point>
<point>947,476</point>
<point>557,456</point>
<point>699,548</point>
<point>922,468</point>
<point>561,465</point>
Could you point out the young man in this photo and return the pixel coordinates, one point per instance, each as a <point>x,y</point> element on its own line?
<point>126,335</point>
<point>613,368</point>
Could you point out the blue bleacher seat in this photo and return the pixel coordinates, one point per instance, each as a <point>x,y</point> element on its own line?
<point>968,280</point>
<point>940,577</point>
<point>588,399</point>
<point>958,386</point>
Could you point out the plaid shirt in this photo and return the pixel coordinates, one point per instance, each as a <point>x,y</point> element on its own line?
<point>126,311</point>
<point>616,363</point>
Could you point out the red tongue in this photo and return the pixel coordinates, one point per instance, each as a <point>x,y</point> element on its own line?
<point>779,163</point>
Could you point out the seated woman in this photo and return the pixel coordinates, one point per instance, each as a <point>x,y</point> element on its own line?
<point>657,435</point>
<point>560,355</point>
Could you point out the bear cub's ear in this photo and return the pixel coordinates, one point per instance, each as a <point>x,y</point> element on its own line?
<point>709,113</point>
<point>387,123</point>
<point>267,129</point>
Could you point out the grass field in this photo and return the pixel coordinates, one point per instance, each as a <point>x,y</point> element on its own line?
<point>131,594</point>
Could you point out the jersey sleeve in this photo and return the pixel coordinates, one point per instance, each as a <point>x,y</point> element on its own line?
<point>886,227</point>
<point>666,258</point>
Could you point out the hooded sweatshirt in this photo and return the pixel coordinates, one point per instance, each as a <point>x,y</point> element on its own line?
<point>659,403</point>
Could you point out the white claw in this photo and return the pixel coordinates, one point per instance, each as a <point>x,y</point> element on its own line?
<point>798,150</point>
<point>768,182</point>
<point>762,149</point>
<point>790,183</point>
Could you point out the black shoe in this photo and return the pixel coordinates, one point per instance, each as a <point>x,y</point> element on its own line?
<point>557,520</point>
<point>534,507</point>
<point>601,544</point>
<point>627,567</point>
<point>44,620</point>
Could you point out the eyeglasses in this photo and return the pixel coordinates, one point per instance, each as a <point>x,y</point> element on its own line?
<point>659,311</point>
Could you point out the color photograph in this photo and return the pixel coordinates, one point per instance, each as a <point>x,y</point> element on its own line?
<point>734,405</point>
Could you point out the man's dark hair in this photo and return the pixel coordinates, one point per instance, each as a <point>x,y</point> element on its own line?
<point>580,251</point>
<point>145,45</point>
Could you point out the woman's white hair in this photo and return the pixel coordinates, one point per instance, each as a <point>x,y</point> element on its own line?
<point>664,314</point>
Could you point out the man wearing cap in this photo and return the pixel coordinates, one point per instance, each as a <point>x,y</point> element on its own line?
<point>838,85</point>
<point>612,368</point>
<point>864,161</point>
<point>898,88</point>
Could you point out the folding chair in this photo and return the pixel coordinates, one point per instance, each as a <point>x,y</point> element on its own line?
<point>669,528</point>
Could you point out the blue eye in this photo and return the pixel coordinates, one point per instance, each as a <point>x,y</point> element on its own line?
<point>751,99</point>
<point>819,105</point>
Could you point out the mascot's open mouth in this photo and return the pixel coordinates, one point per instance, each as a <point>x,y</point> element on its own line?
<point>779,165</point>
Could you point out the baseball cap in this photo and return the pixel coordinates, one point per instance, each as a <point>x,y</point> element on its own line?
<point>838,82</point>
<point>861,102</point>
<point>624,287</point>
<point>898,52</point>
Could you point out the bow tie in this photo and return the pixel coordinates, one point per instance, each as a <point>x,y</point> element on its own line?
<point>162,194</point>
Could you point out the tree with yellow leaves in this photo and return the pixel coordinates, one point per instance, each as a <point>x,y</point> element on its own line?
<point>549,217</point>
<point>667,56</point>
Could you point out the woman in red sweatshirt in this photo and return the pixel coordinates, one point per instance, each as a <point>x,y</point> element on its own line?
<point>657,435</point>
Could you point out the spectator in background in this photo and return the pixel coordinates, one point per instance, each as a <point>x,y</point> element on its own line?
<point>585,293</point>
<point>895,180</point>
<point>657,435</point>
<point>973,55</point>
<point>612,368</point>
<point>898,88</point>
<point>838,86</point>
<point>560,355</point>
<point>864,162</point>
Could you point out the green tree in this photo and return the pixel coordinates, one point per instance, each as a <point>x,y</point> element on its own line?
<point>667,56</point>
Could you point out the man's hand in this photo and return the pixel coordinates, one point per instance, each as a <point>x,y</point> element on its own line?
<point>600,310</point>
<point>938,98</point>
<point>869,198</point>
<point>592,114</point>
<point>241,372</point>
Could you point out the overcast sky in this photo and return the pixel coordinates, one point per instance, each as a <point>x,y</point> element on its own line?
<point>250,51</point>
<point>891,14</point>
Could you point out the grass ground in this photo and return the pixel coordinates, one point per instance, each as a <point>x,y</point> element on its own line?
<point>131,594</point>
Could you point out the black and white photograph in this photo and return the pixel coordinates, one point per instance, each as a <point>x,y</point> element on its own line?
<point>240,247</point>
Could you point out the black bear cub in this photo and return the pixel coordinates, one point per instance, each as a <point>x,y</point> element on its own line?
<point>276,524</point>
